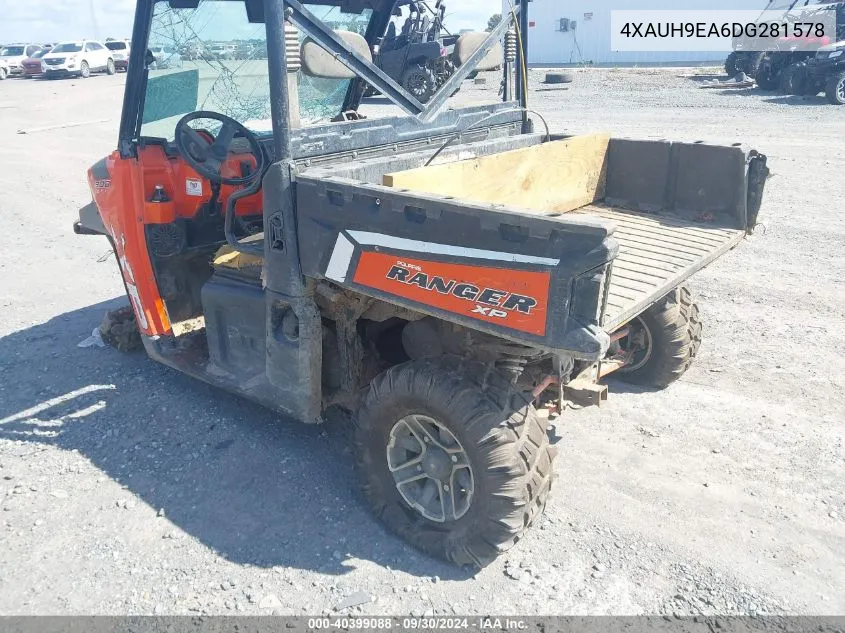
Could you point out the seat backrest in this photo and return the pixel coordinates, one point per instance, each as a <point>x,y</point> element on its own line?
<point>468,43</point>
<point>318,62</point>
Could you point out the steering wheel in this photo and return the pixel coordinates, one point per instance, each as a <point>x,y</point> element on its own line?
<point>207,157</point>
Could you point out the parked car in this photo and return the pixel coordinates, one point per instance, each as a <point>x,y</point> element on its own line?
<point>165,57</point>
<point>32,65</point>
<point>79,58</point>
<point>191,52</point>
<point>120,53</point>
<point>4,69</point>
<point>15,54</point>
<point>223,51</point>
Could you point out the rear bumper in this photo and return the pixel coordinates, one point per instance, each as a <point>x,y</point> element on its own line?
<point>121,64</point>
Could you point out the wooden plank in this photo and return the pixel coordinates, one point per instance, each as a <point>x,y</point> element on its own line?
<point>558,176</point>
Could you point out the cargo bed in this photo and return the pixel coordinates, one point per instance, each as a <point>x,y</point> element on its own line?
<point>656,254</point>
<point>674,208</point>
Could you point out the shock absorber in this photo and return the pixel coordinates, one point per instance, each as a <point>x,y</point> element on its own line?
<point>292,55</point>
<point>512,365</point>
<point>511,47</point>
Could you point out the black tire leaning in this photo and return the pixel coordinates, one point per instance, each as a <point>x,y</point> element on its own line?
<point>504,439</point>
<point>835,88</point>
<point>674,326</point>
<point>732,65</point>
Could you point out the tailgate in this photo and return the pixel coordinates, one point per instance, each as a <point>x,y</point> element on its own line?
<point>656,254</point>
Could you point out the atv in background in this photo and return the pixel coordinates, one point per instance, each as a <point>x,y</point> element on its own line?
<point>419,57</point>
<point>785,69</point>
<point>745,58</point>
<point>826,72</point>
<point>811,74</point>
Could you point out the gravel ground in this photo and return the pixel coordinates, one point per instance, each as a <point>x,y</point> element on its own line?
<point>126,487</point>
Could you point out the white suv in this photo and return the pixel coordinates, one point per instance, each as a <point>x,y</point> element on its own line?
<point>79,58</point>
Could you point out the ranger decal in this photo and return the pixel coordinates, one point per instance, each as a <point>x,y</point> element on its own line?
<point>515,299</point>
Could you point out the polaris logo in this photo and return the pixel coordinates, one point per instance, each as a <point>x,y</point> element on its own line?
<point>491,302</point>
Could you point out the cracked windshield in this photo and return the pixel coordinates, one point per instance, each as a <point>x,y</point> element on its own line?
<point>213,58</point>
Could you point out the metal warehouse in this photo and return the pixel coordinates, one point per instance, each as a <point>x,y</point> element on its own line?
<point>579,32</point>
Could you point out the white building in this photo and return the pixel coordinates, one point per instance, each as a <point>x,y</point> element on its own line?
<point>588,38</point>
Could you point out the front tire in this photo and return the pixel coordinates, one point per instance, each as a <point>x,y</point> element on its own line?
<point>664,341</point>
<point>84,70</point>
<point>110,70</point>
<point>3,73</point>
<point>835,88</point>
<point>418,415</point>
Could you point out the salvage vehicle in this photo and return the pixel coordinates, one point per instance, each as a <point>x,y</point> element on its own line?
<point>438,273</point>
<point>120,51</point>
<point>32,65</point>
<point>14,55</point>
<point>80,58</point>
<point>785,69</point>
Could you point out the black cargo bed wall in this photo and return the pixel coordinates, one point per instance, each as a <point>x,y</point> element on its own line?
<point>706,183</point>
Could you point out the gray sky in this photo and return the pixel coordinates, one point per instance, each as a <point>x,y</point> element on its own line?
<point>53,20</point>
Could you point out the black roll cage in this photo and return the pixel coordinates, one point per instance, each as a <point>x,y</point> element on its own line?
<point>365,71</point>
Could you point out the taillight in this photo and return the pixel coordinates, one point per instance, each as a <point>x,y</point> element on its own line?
<point>589,296</point>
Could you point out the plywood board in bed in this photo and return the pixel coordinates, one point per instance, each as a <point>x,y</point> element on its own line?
<point>558,176</point>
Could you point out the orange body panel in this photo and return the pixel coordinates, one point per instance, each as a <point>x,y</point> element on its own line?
<point>516,299</point>
<point>123,200</point>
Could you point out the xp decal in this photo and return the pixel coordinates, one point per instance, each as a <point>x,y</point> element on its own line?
<point>515,299</point>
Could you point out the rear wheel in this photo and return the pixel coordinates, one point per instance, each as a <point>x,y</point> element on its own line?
<point>768,74</point>
<point>110,67</point>
<point>749,63</point>
<point>835,88</point>
<point>663,341</point>
<point>420,82</point>
<point>84,70</point>
<point>454,459</point>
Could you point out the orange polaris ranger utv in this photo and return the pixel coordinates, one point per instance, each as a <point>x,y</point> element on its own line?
<point>436,273</point>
